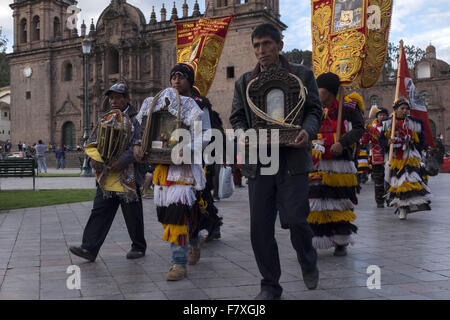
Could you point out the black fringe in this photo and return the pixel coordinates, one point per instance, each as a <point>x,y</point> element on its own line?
<point>327,192</point>
<point>175,214</point>
<point>409,169</point>
<point>407,195</point>
<point>334,228</point>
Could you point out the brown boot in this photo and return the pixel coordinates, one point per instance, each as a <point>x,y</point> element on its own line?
<point>176,272</point>
<point>193,255</point>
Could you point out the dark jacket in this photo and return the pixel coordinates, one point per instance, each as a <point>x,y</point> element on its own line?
<point>299,160</point>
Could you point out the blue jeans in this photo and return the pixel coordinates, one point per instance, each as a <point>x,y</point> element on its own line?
<point>180,253</point>
<point>59,163</point>
<point>41,163</point>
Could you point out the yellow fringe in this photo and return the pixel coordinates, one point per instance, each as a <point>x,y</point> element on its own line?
<point>363,154</point>
<point>322,217</point>
<point>400,163</point>
<point>335,179</point>
<point>406,186</point>
<point>355,97</point>
<point>415,137</point>
<point>160,175</point>
<point>173,232</point>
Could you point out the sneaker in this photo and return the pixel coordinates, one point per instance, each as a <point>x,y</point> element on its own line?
<point>193,255</point>
<point>402,214</point>
<point>340,251</point>
<point>176,272</point>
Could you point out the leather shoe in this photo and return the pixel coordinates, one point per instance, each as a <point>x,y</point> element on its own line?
<point>267,295</point>
<point>311,278</point>
<point>135,254</point>
<point>83,253</point>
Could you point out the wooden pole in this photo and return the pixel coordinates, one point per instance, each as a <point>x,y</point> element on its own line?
<point>339,119</point>
<point>397,93</point>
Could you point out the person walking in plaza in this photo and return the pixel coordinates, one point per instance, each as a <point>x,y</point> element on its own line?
<point>178,188</point>
<point>40,148</point>
<point>371,136</point>
<point>60,157</point>
<point>286,191</point>
<point>128,196</point>
<point>407,191</point>
<point>333,184</point>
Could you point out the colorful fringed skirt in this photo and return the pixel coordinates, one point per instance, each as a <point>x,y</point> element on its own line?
<point>332,197</point>
<point>407,188</point>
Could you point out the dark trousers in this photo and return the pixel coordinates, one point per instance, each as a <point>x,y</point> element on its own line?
<point>216,180</point>
<point>101,219</point>
<point>287,195</point>
<point>378,179</point>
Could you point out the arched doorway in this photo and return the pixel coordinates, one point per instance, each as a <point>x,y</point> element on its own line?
<point>69,134</point>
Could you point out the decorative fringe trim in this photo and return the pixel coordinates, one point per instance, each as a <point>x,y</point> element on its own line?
<point>160,196</point>
<point>322,217</point>
<point>181,194</point>
<point>343,240</point>
<point>337,166</point>
<point>411,201</point>
<point>322,243</point>
<point>180,174</point>
<point>399,164</point>
<point>412,177</point>
<point>331,205</point>
<point>199,176</point>
<point>335,179</point>
<point>174,234</point>
<point>406,187</point>
<point>160,175</point>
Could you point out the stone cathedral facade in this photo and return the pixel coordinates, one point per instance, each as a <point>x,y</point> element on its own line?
<point>47,68</point>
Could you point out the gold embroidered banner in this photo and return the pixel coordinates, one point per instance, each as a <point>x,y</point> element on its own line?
<point>350,39</point>
<point>200,44</point>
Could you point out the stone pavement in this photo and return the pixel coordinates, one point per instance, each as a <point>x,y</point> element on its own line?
<point>414,256</point>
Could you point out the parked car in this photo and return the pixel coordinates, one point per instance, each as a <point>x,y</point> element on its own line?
<point>14,155</point>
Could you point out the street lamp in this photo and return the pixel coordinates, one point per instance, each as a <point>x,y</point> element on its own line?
<point>86,47</point>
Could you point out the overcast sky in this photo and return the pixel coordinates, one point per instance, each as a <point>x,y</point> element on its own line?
<point>417,22</point>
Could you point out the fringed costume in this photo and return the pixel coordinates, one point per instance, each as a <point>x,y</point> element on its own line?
<point>363,165</point>
<point>332,195</point>
<point>407,189</point>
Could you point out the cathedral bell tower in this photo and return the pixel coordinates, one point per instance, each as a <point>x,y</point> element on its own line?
<point>37,23</point>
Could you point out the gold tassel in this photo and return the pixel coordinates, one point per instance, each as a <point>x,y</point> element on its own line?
<point>173,232</point>
<point>322,217</point>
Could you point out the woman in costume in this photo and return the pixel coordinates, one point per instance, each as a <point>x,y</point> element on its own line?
<point>333,184</point>
<point>407,191</point>
<point>177,188</point>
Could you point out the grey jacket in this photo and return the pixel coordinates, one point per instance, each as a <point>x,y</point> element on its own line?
<point>299,160</point>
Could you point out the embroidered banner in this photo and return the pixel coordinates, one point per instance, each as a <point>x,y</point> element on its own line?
<point>200,44</point>
<point>350,39</point>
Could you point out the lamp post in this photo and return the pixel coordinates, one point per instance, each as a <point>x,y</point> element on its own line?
<point>86,47</point>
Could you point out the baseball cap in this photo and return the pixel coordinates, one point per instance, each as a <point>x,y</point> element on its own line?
<point>119,88</point>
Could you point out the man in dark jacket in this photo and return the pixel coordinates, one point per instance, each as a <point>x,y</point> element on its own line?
<point>106,202</point>
<point>286,191</point>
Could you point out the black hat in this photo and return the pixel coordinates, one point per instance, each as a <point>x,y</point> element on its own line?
<point>121,88</point>
<point>184,70</point>
<point>399,102</point>
<point>329,81</point>
<point>382,110</point>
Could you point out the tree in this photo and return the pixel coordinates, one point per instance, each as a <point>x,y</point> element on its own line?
<point>4,61</point>
<point>413,55</point>
<point>299,56</point>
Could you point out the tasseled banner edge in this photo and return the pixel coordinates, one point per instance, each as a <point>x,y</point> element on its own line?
<point>322,217</point>
<point>177,235</point>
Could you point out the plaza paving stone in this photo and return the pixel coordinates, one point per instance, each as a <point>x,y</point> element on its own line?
<point>413,255</point>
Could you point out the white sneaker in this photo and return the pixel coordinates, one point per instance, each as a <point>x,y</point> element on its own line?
<point>402,214</point>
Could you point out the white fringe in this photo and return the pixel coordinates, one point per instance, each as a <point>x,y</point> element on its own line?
<point>180,173</point>
<point>181,194</point>
<point>322,243</point>
<point>411,201</point>
<point>337,166</point>
<point>160,196</point>
<point>331,204</point>
<point>410,177</point>
<point>342,240</point>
